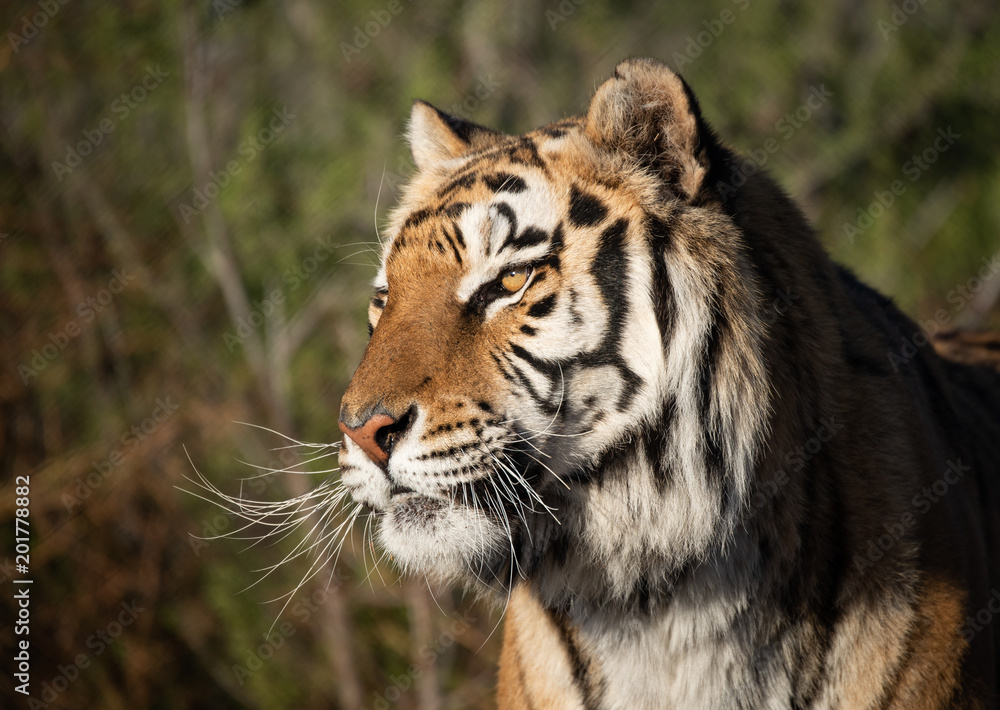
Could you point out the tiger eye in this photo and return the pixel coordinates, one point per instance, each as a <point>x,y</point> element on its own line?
<point>514,279</point>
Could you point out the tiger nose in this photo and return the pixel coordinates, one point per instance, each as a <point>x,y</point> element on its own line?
<point>378,436</point>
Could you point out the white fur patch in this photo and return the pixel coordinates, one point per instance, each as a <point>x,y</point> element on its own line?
<point>439,538</point>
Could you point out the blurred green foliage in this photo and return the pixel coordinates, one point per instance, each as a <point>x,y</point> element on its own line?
<point>229,309</point>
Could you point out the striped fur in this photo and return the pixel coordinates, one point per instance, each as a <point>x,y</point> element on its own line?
<point>681,451</point>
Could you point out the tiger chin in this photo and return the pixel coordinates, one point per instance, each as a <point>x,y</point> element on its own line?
<point>615,383</point>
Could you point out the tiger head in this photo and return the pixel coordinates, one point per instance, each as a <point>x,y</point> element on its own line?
<point>564,378</point>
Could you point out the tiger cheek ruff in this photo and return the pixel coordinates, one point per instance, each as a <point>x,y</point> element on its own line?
<point>615,383</point>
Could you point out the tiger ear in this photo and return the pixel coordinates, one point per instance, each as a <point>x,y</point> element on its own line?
<point>436,136</point>
<point>647,112</point>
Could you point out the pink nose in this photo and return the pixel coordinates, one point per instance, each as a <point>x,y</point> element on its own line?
<point>367,437</point>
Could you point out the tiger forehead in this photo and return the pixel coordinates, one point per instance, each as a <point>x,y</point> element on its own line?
<point>509,204</point>
<point>505,167</point>
<point>475,213</point>
<point>474,239</point>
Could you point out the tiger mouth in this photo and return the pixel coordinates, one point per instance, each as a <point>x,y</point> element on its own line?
<point>404,497</point>
<point>416,511</point>
<point>498,492</point>
<point>398,490</point>
<point>398,495</point>
<point>472,495</point>
<point>412,498</point>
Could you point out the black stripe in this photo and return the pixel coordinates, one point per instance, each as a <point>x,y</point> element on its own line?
<point>558,550</point>
<point>585,210</point>
<point>551,370</point>
<point>542,308</point>
<point>507,212</point>
<point>465,130</point>
<point>640,598</point>
<point>714,456</point>
<point>581,671</point>
<point>451,243</point>
<point>525,152</point>
<point>528,238</point>
<point>617,458</point>
<point>463,181</point>
<point>553,260</point>
<point>505,182</point>
<point>417,218</point>
<point>632,383</point>
<point>573,310</point>
<point>454,210</point>
<point>503,370</point>
<point>610,269</point>
<point>657,442</point>
<point>544,404</point>
<point>663,303</point>
<point>557,238</point>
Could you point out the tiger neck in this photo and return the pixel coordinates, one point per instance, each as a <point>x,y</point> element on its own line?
<point>618,615</point>
<point>604,658</point>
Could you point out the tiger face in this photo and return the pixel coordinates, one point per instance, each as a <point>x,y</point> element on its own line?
<point>525,338</point>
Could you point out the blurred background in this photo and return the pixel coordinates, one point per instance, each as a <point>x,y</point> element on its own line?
<point>189,200</point>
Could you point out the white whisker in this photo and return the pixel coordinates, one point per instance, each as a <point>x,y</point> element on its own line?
<point>321,518</point>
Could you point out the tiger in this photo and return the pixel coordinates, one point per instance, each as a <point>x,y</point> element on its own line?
<point>614,383</point>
